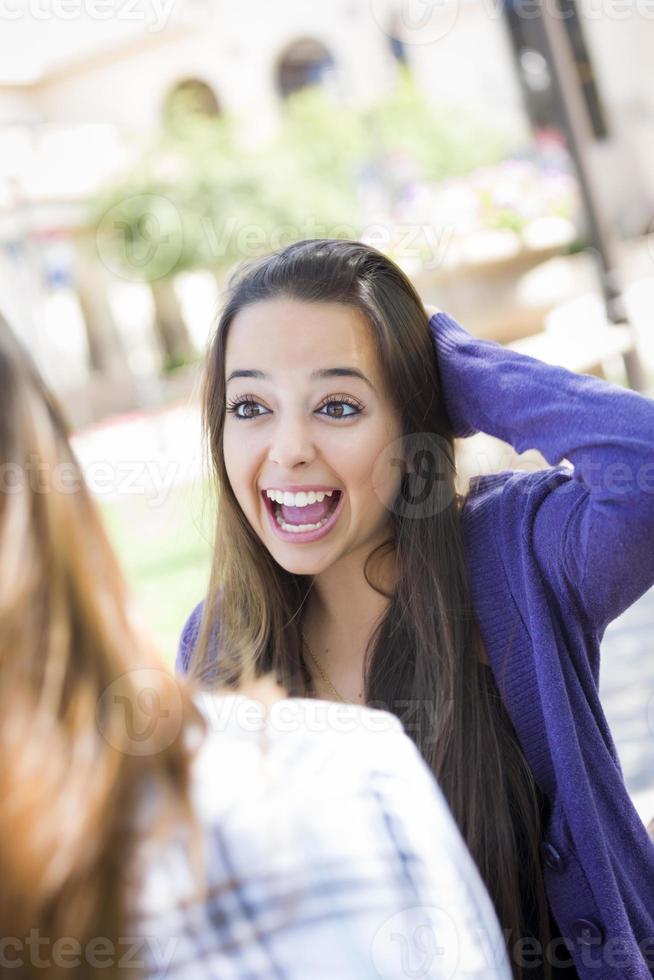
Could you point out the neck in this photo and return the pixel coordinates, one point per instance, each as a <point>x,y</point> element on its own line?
<point>340,615</point>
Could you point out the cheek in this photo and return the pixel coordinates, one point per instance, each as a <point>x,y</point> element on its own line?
<point>238,465</point>
<point>387,466</point>
<point>374,474</point>
<point>230,444</point>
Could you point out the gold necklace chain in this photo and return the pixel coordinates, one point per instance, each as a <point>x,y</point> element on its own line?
<point>322,672</point>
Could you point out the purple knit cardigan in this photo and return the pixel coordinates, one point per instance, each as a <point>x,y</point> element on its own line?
<point>554,556</point>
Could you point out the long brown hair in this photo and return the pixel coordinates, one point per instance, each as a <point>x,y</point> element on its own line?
<point>79,683</point>
<point>426,650</point>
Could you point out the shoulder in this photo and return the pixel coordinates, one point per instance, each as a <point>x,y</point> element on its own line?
<point>272,786</point>
<point>304,756</point>
<point>304,726</point>
<point>279,781</point>
<point>323,743</point>
<point>288,774</point>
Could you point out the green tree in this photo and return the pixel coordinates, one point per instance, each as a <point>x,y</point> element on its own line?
<point>203,196</point>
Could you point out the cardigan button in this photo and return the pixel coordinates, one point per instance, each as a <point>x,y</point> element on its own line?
<point>588,932</point>
<point>551,857</point>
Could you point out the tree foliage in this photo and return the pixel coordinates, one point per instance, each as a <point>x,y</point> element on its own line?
<point>204,194</point>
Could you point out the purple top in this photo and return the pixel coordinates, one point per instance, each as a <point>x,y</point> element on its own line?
<point>553,557</point>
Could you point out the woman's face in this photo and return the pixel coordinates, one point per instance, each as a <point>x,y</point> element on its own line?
<point>308,430</point>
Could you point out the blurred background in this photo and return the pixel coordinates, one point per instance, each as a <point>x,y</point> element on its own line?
<point>502,152</point>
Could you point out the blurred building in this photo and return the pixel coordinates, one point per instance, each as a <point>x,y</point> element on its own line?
<point>77,93</point>
<point>248,56</point>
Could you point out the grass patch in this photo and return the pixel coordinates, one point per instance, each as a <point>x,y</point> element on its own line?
<point>165,552</point>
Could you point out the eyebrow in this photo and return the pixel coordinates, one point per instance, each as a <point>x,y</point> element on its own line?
<point>333,372</point>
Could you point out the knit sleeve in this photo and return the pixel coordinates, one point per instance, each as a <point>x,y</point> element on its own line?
<point>593,533</point>
<point>188,639</point>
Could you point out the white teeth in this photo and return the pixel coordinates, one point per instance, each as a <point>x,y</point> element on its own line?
<point>300,499</point>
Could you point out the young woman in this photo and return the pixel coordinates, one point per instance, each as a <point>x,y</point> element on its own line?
<point>476,620</point>
<point>146,832</point>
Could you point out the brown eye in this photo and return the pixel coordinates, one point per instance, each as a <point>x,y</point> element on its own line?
<point>233,407</point>
<point>342,401</point>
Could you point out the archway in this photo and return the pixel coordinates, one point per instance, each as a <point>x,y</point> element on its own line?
<point>190,97</point>
<point>305,62</point>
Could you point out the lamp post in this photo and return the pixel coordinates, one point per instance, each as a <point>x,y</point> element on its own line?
<point>574,113</point>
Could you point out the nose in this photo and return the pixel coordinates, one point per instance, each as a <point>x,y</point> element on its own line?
<point>291,443</point>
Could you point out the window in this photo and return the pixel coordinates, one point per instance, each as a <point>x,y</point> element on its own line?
<point>305,62</point>
<point>190,97</point>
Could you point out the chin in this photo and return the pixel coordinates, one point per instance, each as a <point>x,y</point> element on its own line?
<point>303,565</point>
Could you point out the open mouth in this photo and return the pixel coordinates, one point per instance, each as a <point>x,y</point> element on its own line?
<point>276,510</point>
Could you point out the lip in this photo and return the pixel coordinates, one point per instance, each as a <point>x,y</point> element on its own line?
<point>303,537</point>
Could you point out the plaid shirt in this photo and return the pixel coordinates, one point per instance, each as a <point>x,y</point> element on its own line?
<point>331,855</point>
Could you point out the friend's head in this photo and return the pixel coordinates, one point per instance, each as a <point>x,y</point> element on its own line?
<point>89,713</point>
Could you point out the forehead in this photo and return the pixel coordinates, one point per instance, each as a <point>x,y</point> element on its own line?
<point>290,335</point>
